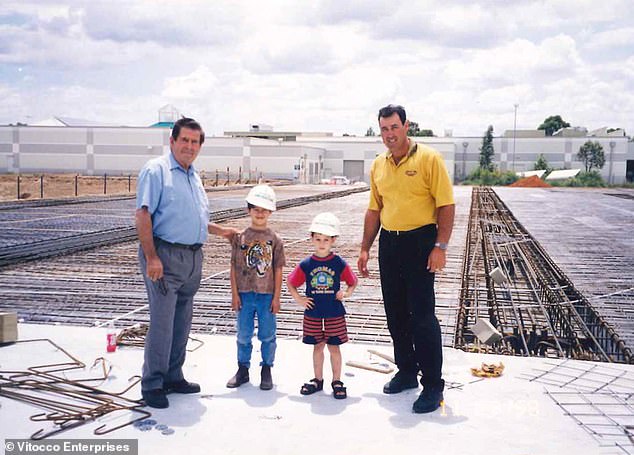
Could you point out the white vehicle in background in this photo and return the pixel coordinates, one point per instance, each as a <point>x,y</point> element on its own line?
<point>339,180</point>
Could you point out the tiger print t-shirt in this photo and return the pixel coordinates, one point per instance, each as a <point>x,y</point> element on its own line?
<point>255,254</point>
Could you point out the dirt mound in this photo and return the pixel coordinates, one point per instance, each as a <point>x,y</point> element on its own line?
<point>530,182</point>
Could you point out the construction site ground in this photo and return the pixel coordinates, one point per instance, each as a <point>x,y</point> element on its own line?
<point>506,415</point>
<point>536,406</point>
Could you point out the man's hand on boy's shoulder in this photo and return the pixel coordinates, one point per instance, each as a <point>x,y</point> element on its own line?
<point>230,233</point>
<point>222,231</point>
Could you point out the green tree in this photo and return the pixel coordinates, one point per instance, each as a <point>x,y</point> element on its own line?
<point>487,151</point>
<point>370,132</point>
<point>552,124</point>
<point>591,154</point>
<point>541,163</point>
<point>414,130</point>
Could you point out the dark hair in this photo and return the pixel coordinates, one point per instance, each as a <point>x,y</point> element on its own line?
<point>312,234</point>
<point>252,206</point>
<point>392,109</point>
<point>190,124</point>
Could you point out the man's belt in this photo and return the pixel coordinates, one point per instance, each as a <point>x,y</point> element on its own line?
<point>428,228</point>
<point>194,247</point>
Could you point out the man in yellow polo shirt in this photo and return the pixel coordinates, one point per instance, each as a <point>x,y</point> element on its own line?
<point>411,201</point>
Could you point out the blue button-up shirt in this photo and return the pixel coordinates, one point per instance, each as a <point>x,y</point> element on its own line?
<point>175,198</point>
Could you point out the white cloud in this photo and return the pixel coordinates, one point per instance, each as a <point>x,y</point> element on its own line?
<point>452,25</point>
<point>290,50</point>
<point>200,84</point>
<point>610,45</point>
<point>59,42</point>
<point>325,65</point>
<point>11,106</point>
<point>338,12</point>
<point>515,62</point>
<point>178,23</point>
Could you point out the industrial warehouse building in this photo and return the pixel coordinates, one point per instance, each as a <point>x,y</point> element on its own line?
<point>67,145</point>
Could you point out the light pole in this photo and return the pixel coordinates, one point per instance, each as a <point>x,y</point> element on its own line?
<point>612,145</point>
<point>514,128</point>
<point>464,160</point>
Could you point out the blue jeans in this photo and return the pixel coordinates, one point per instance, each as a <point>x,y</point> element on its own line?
<point>253,304</point>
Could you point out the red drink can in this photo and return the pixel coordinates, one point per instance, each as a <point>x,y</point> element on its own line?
<point>112,342</point>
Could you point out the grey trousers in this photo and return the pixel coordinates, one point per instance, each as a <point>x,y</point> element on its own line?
<point>171,309</point>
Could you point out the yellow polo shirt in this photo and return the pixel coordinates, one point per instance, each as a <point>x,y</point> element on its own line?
<point>408,194</point>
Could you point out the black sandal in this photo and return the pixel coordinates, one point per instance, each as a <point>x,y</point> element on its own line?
<point>312,386</point>
<point>338,390</point>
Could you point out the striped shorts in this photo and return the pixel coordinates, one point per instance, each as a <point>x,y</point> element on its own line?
<point>329,330</point>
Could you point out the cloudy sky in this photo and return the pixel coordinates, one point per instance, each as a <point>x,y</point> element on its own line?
<point>324,65</point>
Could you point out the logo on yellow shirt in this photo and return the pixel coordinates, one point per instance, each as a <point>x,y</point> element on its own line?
<point>410,173</point>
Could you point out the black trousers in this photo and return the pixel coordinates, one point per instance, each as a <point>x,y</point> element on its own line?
<point>408,297</point>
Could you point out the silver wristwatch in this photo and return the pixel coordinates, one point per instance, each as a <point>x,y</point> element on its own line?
<point>441,245</point>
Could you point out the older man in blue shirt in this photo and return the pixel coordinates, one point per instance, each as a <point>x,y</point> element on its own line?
<point>172,221</point>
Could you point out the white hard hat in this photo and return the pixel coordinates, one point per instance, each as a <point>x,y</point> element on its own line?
<point>262,196</point>
<point>327,224</point>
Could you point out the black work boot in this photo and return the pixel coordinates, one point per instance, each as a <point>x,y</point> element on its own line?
<point>266,382</point>
<point>155,398</point>
<point>182,386</point>
<point>430,398</point>
<point>241,376</point>
<point>400,382</point>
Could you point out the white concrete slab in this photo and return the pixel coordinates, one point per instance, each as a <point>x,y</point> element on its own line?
<point>562,174</point>
<point>531,173</point>
<point>505,415</point>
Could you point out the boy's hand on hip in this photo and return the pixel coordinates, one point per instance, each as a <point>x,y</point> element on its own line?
<point>306,302</point>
